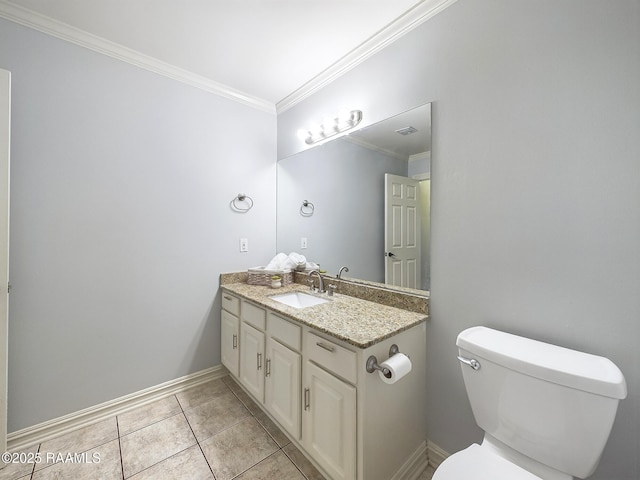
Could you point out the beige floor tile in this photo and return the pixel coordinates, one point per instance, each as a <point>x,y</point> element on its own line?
<point>80,440</point>
<point>238,448</point>
<point>23,465</point>
<point>231,383</point>
<point>155,443</point>
<point>277,466</point>
<point>102,463</point>
<point>202,393</point>
<point>212,417</point>
<point>148,414</point>
<point>189,464</point>
<point>305,466</point>
<point>248,402</point>
<point>273,430</point>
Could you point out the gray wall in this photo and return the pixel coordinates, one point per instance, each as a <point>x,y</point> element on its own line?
<point>345,183</point>
<point>120,223</point>
<point>535,184</point>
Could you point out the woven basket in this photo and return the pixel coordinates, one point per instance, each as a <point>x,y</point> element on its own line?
<point>261,276</point>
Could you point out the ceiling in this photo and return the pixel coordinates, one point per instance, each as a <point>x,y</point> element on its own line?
<point>268,51</point>
<point>385,135</point>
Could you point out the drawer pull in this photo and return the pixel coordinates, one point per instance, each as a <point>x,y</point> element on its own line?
<point>235,341</point>
<point>267,367</point>
<point>307,404</point>
<point>328,348</point>
<point>259,361</point>
<point>227,297</point>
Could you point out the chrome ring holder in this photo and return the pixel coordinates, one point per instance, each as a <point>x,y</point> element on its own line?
<point>372,362</point>
<point>307,208</point>
<point>242,203</point>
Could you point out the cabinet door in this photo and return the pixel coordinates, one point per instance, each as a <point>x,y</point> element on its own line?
<point>252,360</point>
<point>329,422</point>
<point>282,386</point>
<point>230,341</point>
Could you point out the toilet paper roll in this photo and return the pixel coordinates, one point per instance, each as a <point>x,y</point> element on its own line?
<point>397,367</point>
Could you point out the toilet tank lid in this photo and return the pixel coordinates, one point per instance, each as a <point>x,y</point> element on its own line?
<point>574,369</point>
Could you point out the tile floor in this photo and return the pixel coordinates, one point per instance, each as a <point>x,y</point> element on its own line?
<point>212,431</point>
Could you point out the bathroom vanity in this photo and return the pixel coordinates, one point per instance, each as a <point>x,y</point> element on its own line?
<point>306,368</point>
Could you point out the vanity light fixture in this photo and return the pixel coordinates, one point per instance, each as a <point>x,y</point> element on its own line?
<point>345,120</point>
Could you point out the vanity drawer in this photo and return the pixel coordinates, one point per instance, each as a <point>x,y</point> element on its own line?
<point>284,331</point>
<point>254,315</point>
<point>331,356</point>
<point>231,303</point>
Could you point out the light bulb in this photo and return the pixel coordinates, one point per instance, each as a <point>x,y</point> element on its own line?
<point>329,125</point>
<point>344,117</point>
<point>315,129</point>
<point>303,134</point>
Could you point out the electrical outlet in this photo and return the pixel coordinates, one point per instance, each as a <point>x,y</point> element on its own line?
<point>303,242</point>
<point>244,244</point>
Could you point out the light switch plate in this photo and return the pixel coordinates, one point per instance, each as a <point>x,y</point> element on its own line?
<point>244,244</point>
<point>303,242</point>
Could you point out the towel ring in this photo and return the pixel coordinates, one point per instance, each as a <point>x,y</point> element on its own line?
<point>307,208</point>
<point>242,203</point>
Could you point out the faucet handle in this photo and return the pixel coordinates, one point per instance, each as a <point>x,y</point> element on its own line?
<point>311,286</point>
<point>332,289</point>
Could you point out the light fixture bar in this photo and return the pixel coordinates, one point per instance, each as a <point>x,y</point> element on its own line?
<point>345,120</point>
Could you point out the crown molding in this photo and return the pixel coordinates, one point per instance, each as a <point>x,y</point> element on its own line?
<point>374,148</point>
<point>399,27</point>
<point>44,24</point>
<point>420,156</point>
<point>404,24</point>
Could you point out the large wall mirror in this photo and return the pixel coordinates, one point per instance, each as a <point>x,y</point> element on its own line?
<point>343,184</point>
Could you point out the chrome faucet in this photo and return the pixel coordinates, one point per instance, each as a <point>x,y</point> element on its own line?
<point>320,281</point>
<point>346,269</point>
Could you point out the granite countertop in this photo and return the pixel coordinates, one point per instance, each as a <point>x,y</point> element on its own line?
<point>360,323</point>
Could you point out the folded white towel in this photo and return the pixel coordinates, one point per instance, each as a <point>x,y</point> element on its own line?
<point>299,260</point>
<point>312,266</point>
<point>288,264</point>
<point>282,261</point>
<point>276,262</point>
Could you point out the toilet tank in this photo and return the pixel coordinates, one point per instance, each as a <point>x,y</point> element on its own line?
<point>550,403</point>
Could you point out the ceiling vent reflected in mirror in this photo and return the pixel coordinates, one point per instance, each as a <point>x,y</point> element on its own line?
<point>406,130</point>
<point>397,136</point>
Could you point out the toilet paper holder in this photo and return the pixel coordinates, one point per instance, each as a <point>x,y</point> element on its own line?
<point>372,362</point>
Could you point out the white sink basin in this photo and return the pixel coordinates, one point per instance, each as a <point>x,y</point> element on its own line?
<point>299,300</point>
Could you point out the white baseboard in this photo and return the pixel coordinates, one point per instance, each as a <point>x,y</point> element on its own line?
<point>61,425</point>
<point>414,466</point>
<point>435,454</point>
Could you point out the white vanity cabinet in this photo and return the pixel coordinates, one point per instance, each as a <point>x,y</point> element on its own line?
<point>283,373</point>
<point>270,364</point>
<point>348,422</point>
<point>230,333</point>
<point>252,338</point>
<point>282,395</point>
<point>329,417</point>
<point>251,360</point>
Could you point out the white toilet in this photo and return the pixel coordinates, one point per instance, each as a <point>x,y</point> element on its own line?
<point>546,411</point>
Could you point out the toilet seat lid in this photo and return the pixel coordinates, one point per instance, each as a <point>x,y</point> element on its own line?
<point>477,463</point>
